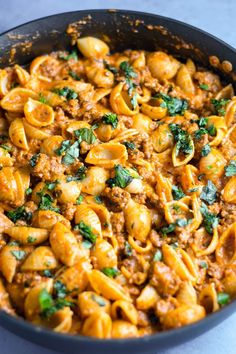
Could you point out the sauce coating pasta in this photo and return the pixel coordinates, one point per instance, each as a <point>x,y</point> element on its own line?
<point>117,191</point>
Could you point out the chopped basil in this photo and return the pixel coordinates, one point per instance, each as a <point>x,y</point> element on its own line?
<point>192,190</point>
<point>66,92</point>
<point>127,70</point>
<point>171,227</point>
<point>18,254</point>
<point>86,232</point>
<point>42,98</point>
<point>51,185</point>
<point>209,193</point>
<point>129,145</point>
<point>49,306</point>
<point>72,55</point>
<point>85,134</point>
<point>174,105</point>
<point>223,298</point>
<point>128,249</point>
<point>6,147</point>
<point>28,191</point>
<point>204,87</point>
<point>79,200</point>
<point>79,176</point>
<point>31,239</point>
<point>210,220</point>
<point>110,68</point>
<point>203,264</point>
<point>122,177</point>
<point>157,256</point>
<point>110,272</point>
<point>98,199</point>
<point>130,74</point>
<point>34,159</point>
<point>60,289</point>
<point>46,202</point>
<point>220,105</point>
<point>230,170</point>
<point>87,244</point>
<point>206,150</point>
<point>99,300</point>
<point>110,118</point>
<point>177,193</point>
<point>182,139</point>
<point>69,151</point>
<point>167,229</point>
<point>19,214</point>
<point>47,273</point>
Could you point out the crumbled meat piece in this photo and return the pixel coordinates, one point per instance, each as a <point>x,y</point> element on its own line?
<point>199,143</point>
<point>71,107</point>
<point>69,211</point>
<point>155,238</point>
<point>147,148</point>
<point>48,168</point>
<point>140,198</point>
<point>164,306</point>
<point>164,279</point>
<point>117,198</point>
<point>143,319</point>
<point>118,222</point>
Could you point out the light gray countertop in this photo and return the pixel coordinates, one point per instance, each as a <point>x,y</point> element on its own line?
<point>216,17</point>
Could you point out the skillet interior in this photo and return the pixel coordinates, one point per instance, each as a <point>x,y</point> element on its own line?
<point>125,29</point>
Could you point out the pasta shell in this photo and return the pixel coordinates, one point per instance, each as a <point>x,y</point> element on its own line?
<point>126,310</point>
<point>162,138</point>
<point>153,109</point>
<point>40,259</point>
<point>39,63</point>
<point>95,181</point>
<point>38,114</point>
<point>46,219</point>
<point>98,325</point>
<point>148,298</point>
<point>61,321</point>
<point>187,294</point>
<point>27,235</point>
<point>4,81</point>
<point>8,188</point>
<point>5,158</point>
<point>104,255</point>
<point>89,217</point>
<point>180,160</point>
<point>142,123</point>
<point>17,134</point>
<point>226,247</point>
<point>184,80</point>
<point>22,179</point>
<point>229,190</point>
<point>124,329</point>
<point>208,298</point>
<point>33,132</point>
<point>120,101</point>
<point>15,100</point>
<point>89,303</point>
<point>212,165</point>
<point>8,262</point>
<point>162,65</point>
<point>68,192</point>
<point>99,76</point>
<point>76,276</point>
<point>92,47</point>
<point>183,315</point>
<point>107,287</point>
<point>137,220</point>
<point>51,144</point>
<point>107,155</point>
<point>230,112</point>
<point>69,128</point>
<point>22,75</point>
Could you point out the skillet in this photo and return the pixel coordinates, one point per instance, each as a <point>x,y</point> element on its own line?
<point>123,30</point>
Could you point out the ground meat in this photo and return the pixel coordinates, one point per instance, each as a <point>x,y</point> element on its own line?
<point>30,206</point>
<point>116,198</point>
<point>228,149</point>
<point>199,143</point>
<point>143,319</point>
<point>164,306</point>
<point>209,79</point>
<point>118,222</point>
<point>164,279</point>
<point>84,147</point>
<point>48,168</point>
<point>155,238</point>
<point>228,215</point>
<point>147,148</point>
<point>28,279</point>
<point>127,121</point>
<point>69,211</point>
<point>140,198</point>
<point>215,208</point>
<point>71,107</point>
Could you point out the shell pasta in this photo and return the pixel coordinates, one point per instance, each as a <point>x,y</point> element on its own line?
<point>117,191</point>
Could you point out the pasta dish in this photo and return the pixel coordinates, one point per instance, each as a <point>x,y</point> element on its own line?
<point>117,191</point>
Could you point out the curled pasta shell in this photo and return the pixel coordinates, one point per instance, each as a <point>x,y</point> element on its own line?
<point>120,101</point>
<point>162,65</point>
<point>68,192</point>
<point>138,220</point>
<point>99,76</point>
<point>179,160</point>
<point>50,144</point>
<point>104,255</point>
<point>5,222</point>
<point>40,259</point>
<point>65,245</point>
<point>27,235</point>
<point>22,178</point>
<point>5,303</point>
<point>183,315</point>
<point>148,298</point>
<point>69,128</point>
<point>187,294</point>
<point>89,217</point>
<point>89,303</point>
<point>226,247</point>
<point>107,287</point>
<point>230,112</point>
<point>126,309</point>
<point>92,47</point>
<point>22,74</point>
<point>38,114</point>
<point>164,189</point>
<point>200,241</point>
<point>39,62</point>
<point>162,138</point>
<point>17,134</point>
<point>221,129</point>
<point>124,329</point>
<point>208,298</point>
<point>107,155</point>
<point>142,123</point>
<point>5,158</point>
<point>61,321</point>
<point>46,219</point>
<point>76,277</point>
<point>184,80</point>
<point>4,81</point>
<point>15,100</point>
<point>212,165</point>
<point>33,132</point>
<point>98,325</point>
<point>153,109</point>
<point>229,190</point>
<point>8,184</point>
<point>95,181</point>
<point>8,262</point>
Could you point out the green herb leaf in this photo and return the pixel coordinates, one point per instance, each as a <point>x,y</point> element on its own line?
<point>85,134</point>
<point>98,199</point>
<point>87,244</point>
<point>51,185</point>
<point>174,105</point>
<point>110,272</point>
<point>60,289</point>
<point>110,118</point>
<point>204,87</point>
<point>31,239</point>
<point>127,70</point>
<point>210,220</point>
<point>182,139</point>
<point>203,264</point>
<point>69,151</point>
<point>6,147</point>
<point>220,105</point>
<point>72,55</point>
<point>18,254</point>
<point>177,193</point>
<point>223,298</point>
<point>129,145</point>
<point>167,229</point>
<point>48,306</point>
<point>28,191</point>
<point>230,170</point>
<point>128,249</point>
<point>47,273</point>
<point>66,92</point>
<point>122,177</point>
<point>33,160</point>
<point>209,193</point>
<point>46,202</point>
<point>130,74</point>
<point>110,68</point>
<point>79,200</point>
<point>206,150</point>
<point>99,300</point>
<point>19,214</point>
<point>157,256</point>
<point>86,232</point>
<point>42,98</point>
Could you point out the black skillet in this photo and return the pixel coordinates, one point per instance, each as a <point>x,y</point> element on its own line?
<point>124,29</point>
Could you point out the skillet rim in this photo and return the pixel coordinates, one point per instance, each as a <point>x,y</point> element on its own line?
<point>212,319</point>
